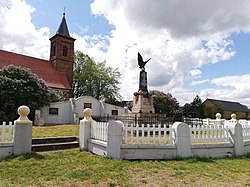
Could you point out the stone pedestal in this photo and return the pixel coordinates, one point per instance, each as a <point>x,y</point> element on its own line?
<point>143,103</point>
<point>143,85</point>
<point>23,132</point>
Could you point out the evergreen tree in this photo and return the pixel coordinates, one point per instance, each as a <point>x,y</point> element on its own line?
<point>195,108</point>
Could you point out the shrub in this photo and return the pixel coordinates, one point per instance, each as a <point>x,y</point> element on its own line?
<point>19,86</point>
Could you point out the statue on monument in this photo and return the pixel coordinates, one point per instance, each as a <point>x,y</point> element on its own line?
<point>141,63</point>
<point>143,76</point>
<point>142,101</point>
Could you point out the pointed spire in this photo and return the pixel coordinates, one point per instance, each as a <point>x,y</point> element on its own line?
<point>63,29</point>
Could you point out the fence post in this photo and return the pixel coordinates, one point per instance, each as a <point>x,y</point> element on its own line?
<point>182,139</point>
<point>23,132</point>
<point>114,139</point>
<point>236,132</point>
<point>85,128</point>
<point>238,140</point>
<point>218,121</point>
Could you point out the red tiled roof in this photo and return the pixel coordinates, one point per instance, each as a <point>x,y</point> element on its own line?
<point>42,68</point>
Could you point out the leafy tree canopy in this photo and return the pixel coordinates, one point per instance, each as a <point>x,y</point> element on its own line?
<point>95,79</point>
<point>19,86</point>
<point>195,108</point>
<point>210,111</point>
<point>164,103</point>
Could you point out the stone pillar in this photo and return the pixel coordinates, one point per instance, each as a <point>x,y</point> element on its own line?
<point>143,85</point>
<point>114,139</point>
<point>85,129</point>
<point>235,131</point>
<point>183,139</point>
<point>233,117</point>
<point>218,120</point>
<point>23,132</point>
<point>238,140</point>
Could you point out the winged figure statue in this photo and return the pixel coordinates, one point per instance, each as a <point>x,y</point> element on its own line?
<point>141,63</point>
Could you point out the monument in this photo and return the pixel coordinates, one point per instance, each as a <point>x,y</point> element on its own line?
<point>142,100</point>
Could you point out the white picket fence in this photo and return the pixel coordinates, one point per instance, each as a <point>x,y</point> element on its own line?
<point>99,131</point>
<point>208,121</point>
<point>7,132</point>
<point>246,132</point>
<point>209,133</point>
<point>244,122</point>
<point>148,134</point>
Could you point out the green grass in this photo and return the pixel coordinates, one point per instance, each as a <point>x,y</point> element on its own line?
<point>55,131</point>
<point>80,168</point>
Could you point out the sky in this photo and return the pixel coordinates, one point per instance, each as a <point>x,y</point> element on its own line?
<point>197,47</point>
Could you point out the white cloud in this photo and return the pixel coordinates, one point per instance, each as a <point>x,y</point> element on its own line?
<point>180,36</point>
<point>195,73</point>
<point>17,31</point>
<point>198,82</point>
<point>232,88</point>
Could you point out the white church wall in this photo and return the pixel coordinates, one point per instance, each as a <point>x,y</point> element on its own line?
<point>109,108</point>
<point>84,101</point>
<point>64,114</point>
<point>57,113</point>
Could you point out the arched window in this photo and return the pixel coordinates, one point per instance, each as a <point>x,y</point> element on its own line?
<point>65,51</point>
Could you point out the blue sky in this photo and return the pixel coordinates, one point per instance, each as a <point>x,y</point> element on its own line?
<point>195,51</point>
<point>79,16</point>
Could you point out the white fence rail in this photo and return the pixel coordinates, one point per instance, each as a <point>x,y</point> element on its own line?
<point>7,132</point>
<point>204,138</point>
<point>148,134</point>
<point>246,132</point>
<point>99,131</point>
<point>244,122</point>
<point>209,133</point>
<point>208,121</point>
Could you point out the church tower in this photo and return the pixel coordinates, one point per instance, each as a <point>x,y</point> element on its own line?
<point>62,50</point>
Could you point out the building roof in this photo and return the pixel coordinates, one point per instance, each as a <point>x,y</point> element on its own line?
<point>42,68</point>
<point>63,28</point>
<point>229,105</point>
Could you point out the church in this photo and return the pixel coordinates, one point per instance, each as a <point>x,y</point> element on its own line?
<point>57,72</point>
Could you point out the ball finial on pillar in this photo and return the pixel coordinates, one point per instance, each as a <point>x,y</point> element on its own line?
<point>218,117</point>
<point>87,114</point>
<point>234,117</point>
<point>23,112</point>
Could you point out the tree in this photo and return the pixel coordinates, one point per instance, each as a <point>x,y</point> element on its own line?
<point>19,86</point>
<point>164,103</point>
<point>211,111</point>
<point>195,108</point>
<point>198,107</point>
<point>95,79</point>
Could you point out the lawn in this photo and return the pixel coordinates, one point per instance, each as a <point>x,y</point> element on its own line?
<point>55,131</point>
<point>81,168</point>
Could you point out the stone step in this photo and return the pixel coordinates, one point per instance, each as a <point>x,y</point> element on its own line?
<point>54,146</point>
<point>54,143</point>
<point>48,140</point>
